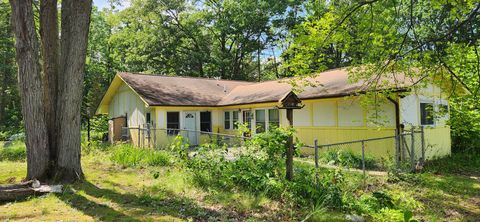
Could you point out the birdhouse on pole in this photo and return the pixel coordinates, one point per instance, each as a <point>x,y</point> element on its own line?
<point>290,102</point>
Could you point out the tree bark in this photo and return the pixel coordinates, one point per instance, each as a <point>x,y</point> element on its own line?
<point>30,85</point>
<point>73,45</point>
<point>50,45</point>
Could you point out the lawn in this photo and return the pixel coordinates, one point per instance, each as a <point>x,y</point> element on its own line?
<point>167,193</point>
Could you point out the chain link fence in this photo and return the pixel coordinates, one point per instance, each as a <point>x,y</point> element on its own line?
<point>405,149</point>
<point>149,136</point>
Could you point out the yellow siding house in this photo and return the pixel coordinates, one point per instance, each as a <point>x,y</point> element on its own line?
<point>332,112</point>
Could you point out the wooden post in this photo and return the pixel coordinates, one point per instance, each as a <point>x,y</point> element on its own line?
<point>289,159</point>
<point>290,102</point>
<point>316,152</point>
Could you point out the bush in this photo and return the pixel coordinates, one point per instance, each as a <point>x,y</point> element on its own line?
<point>385,206</point>
<point>15,152</point>
<point>259,168</point>
<point>348,159</point>
<point>130,156</point>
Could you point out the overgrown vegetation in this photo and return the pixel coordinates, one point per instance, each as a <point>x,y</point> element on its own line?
<point>348,158</point>
<point>127,155</point>
<point>464,163</point>
<point>258,168</point>
<point>247,183</point>
<point>13,152</point>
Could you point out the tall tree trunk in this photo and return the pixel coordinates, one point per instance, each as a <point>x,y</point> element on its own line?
<point>74,33</point>
<point>50,45</point>
<point>30,84</point>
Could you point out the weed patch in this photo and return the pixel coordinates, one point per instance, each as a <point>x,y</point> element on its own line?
<point>130,156</point>
<point>14,152</point>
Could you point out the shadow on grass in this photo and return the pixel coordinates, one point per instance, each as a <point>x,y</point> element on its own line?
<point>131,207</point>
<point>442,193</point>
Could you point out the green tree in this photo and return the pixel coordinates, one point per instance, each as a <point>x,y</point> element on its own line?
<point>423,39</point>
<point>10,116</point>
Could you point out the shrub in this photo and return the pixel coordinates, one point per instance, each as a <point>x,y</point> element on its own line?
<point>259,168</point>
<point>385,206</point>
<point>130,156</point>
<point>15,152</point>
<point>348,159</point>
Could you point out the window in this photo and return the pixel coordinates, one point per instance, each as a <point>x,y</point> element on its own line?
<point>173,123</point>
<point>426,113</point>
<point>260,121</point>
<point>227,120</point>
<point>443,109</point>
<point>273,118</point>
<point>206,121</point>
<point>148,117</point>
<point>247,118</point>
<point>235,119</point>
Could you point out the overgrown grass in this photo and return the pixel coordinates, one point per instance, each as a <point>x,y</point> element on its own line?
<point>129,156</point>
<point>125,183</point>
<point>13,152</point>
<point>348,158</point>
<point>465,163</point>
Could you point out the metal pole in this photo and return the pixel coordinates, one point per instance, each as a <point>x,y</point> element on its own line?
<point>423,142</point>
<point>397,148</point>
<point>363,159</point>
<point>316,152</point>
<point>148,136</point>
<point>138,138</point>
<point>412,150</point>
<point>403,146</point>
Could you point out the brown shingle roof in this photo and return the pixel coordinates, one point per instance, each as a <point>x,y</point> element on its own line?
<point>179,91</point>
<point>184,91</point>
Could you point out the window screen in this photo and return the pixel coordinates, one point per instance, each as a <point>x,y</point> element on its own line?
<point>260,121</point>
<point>173,123</point>
<point>206,121</point>
<point>227,120</point>
<point>273,118</point>
<point>235,119</point>
<point>426,113</point>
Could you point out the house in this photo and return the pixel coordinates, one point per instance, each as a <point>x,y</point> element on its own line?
<point>332,109</point>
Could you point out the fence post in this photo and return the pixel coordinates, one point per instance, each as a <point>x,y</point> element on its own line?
<point>148,135</point>
<point>316,152</point>
<point>138,138</point>
<point>412,151</point>
<point>397,148</point>
<point>423,142</point>
<point>363,159</point>
<point>403,146</point>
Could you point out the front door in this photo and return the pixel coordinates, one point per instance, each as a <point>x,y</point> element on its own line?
<point>190,126</point>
